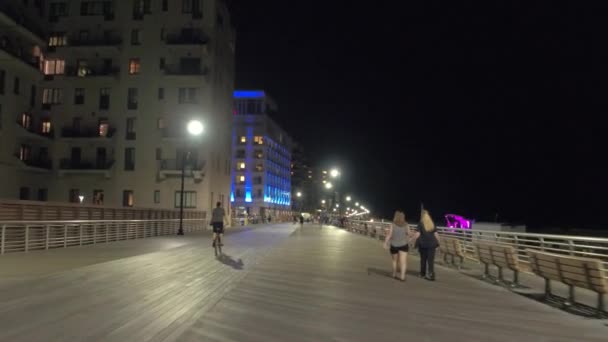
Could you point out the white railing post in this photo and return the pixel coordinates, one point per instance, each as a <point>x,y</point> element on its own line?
<point>27,238</point>
<point>571,246</point>
<point>107,226</point>
<point>2,239</point>
<point>94,233</point>
<point>80,229</point>
<point>47,234</point>
<point>65,235</point>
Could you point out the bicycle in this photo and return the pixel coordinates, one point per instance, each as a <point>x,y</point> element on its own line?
<point>217,244</point>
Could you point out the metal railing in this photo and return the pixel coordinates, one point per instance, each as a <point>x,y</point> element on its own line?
<point>577,246</point>
<point>25,236</point>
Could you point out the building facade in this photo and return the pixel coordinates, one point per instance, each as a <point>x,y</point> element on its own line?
<point>261,181</point>
<point>95,99</point>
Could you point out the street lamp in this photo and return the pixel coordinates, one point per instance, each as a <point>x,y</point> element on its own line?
<point>328,185</point>
<point>299,194</point>
<point>194,128</point>
<point>357,204</point>
<point>322,201</point>
<point>348,198</point>
<point>334,173</point>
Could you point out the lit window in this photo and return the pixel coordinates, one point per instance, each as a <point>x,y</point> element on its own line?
<point>243,139</point>
<point>242,179</point>
<point>258,140</point>
<point>26,120</point>
<point>58,39</point>
<point>52,95</point>
<point>241,166</point>
<point>103,128</point>
<point>46,126</point>
<point>134,66</point>
<point>54,67</point>
<point>25,152</point>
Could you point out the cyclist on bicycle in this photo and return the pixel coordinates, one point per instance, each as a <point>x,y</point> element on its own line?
<point>217,221</point>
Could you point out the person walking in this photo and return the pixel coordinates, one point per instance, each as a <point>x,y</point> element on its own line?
<point>427,241</point>
<point>396,242</point>
<point>217,221</point>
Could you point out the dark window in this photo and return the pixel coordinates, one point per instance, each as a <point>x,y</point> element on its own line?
<point>83,35</point>
<point>165,5</point>
<point>104,98</point>
<point>33,96</point>
<point>259,194</point>
<point>130,129</point>
<point>161,63</point>
<point>96,7</point>
<point>161,123</point>
<point>187,95</point>
<point>187,6</point>
<point>24,193</point>
<point>163,34</point>
<point>58,9</point>
<point>43,195</point>
<point>189,199</point>
<point>74,193</point>
<point>79,96</point>
<point>135,37</point>
<point>156,196</point>
<point>132,98</point>
<point>240,153</point>
<point>25,152</point>
<point>159,153</point>
<point>127,198</point>
<point>129,159</point>
<point>161,93</point>
<point>16,86</point>
<point>2,81</point>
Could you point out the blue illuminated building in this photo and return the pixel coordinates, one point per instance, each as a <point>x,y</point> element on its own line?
<point>261,172</point>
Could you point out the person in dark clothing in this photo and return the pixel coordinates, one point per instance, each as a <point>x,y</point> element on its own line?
<point>301,219</point>
<point>427,241</point>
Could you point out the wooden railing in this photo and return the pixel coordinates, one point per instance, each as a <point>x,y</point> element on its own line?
<point>25,236</point>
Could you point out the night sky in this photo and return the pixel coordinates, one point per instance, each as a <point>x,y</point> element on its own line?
<point>481,108</point>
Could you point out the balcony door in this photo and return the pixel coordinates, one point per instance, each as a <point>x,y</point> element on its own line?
<point>76,156</point>
<point>101,159</point>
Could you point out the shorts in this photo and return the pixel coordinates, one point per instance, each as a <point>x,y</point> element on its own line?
<point>218,227</point>
<point>396,250</point>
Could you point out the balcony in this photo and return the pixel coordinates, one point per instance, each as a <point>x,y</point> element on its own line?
<point>36,131</point>
<point>173,168</point>
<point>20,57</point>
<point>42,165</point>
<point>100,42</point>
<point>89,132</point>
<point>10,16</point>
<point>101,167</point>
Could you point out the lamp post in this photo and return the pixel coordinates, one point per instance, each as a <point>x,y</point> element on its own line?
<point>195,129</point>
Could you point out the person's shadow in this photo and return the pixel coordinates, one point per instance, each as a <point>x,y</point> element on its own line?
<point>229,261</point>
<point>387,273</point>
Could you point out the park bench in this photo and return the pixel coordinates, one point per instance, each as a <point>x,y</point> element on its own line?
<point>501,256</point>
<point>453,248</point>
<point>573,271</point>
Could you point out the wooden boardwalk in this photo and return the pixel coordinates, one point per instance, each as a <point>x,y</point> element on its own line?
<point>277,284</point>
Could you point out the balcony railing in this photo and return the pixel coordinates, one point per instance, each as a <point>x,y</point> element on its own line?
<point>40,163</point>
<point>69,164</point>
<point>92,71</point>
<point>86,132</point>
<point>181,39</point>
<point>36,130</point>
<point>176,165</point>
<point>101,41</point>
<point>176,70</point>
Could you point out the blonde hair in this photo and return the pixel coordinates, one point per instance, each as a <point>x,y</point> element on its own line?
<point>399,219</point>
<point>427,221</point>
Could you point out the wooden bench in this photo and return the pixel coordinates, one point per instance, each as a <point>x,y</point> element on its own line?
<point>573,271</point>
<point>453,248</point>
<point>501,256</point>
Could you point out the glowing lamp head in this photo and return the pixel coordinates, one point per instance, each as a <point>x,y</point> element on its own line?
<point>334,173</point>
<point>328,185</point>
<point>348,198</point>
<point>299,194</point>
<point>195,127</point>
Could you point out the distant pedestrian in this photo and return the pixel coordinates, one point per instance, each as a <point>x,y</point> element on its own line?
<point>269,219</point>
<point>301,219</point>
<point>396,242</point>
<point>427,241</point>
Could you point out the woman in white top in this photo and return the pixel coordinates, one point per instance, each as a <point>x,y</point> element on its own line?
<point>396,241</point>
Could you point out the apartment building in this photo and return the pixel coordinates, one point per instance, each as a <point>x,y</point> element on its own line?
<point>261,182</point>
<point>106,89</point>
